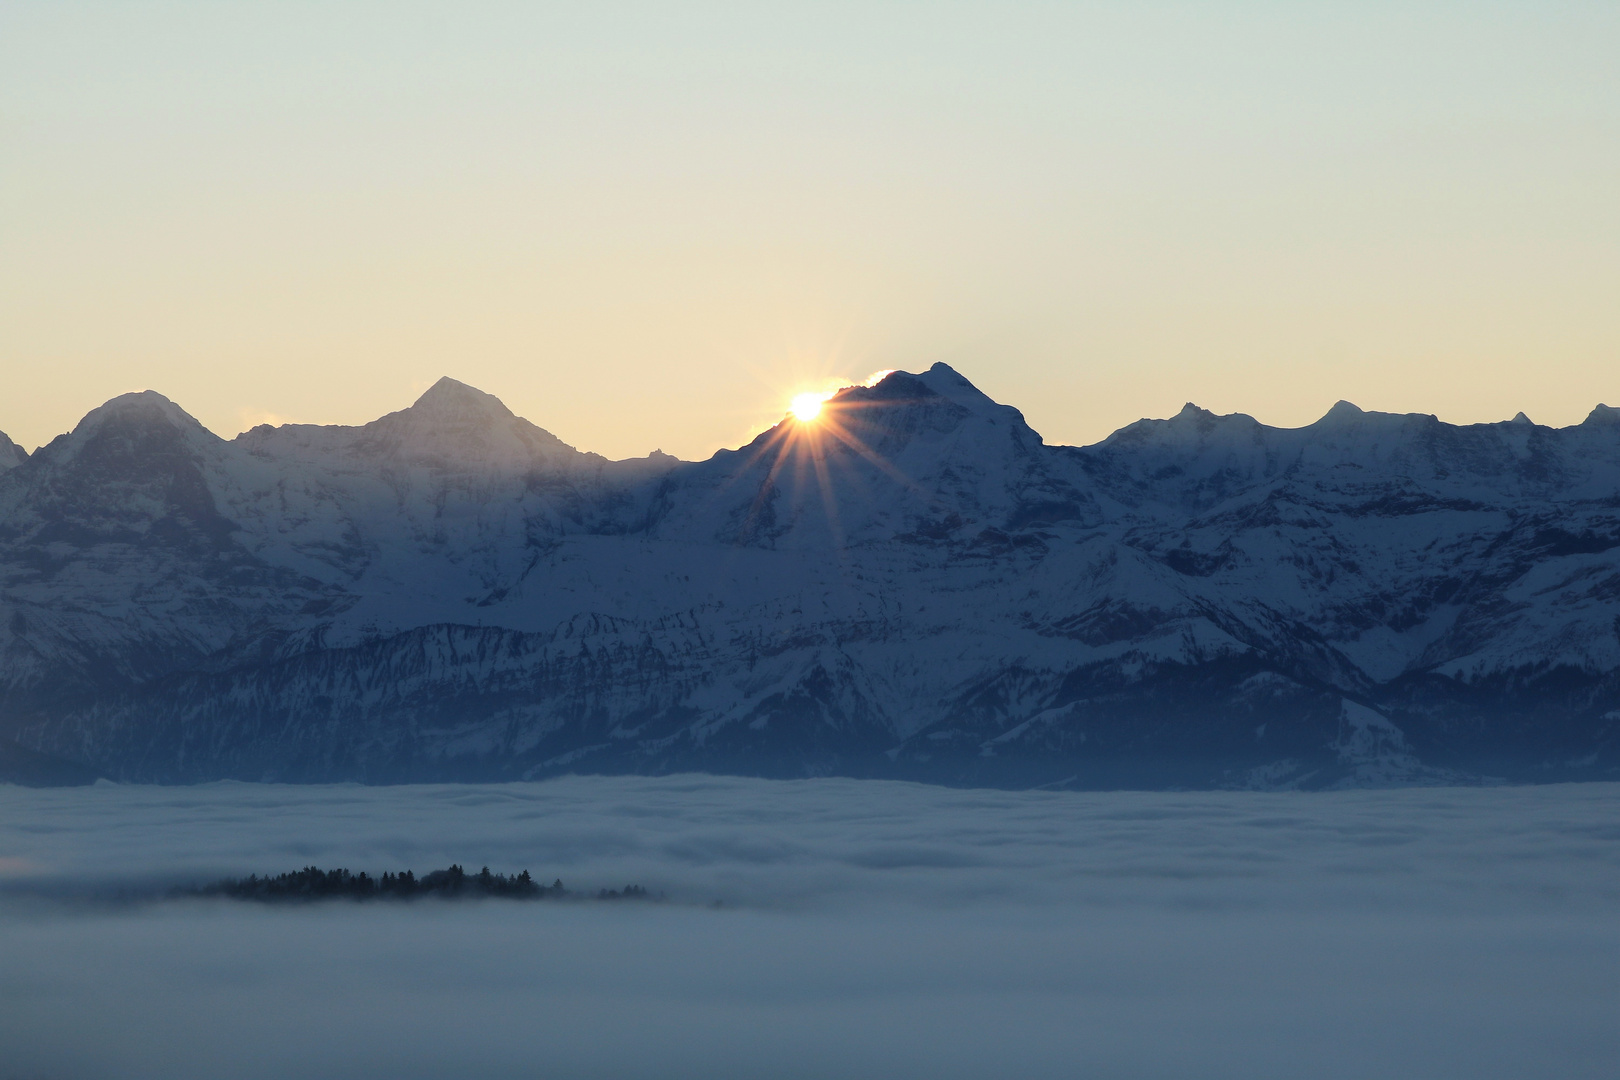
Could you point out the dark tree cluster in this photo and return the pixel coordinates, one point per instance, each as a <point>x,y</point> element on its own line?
<point>629,892</point>
<point>313,883</point>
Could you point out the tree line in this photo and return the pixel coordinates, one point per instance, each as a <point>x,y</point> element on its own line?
<point>453,883</point>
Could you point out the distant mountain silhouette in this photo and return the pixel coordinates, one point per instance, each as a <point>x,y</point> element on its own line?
<point>913,585</point>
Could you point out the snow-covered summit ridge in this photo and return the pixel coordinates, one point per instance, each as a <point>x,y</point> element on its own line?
<point>127,422</point>
<point>456,401</point>
<point>912,584</point>
<point>451,427</point>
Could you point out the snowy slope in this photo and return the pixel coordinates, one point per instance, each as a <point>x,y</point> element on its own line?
<point>912,585</point>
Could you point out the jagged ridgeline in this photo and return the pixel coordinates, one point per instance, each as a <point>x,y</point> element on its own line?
<point>453,883</point>
<point>911,585</point>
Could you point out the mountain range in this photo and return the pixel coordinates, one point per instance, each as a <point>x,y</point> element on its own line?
<point>911,585</point>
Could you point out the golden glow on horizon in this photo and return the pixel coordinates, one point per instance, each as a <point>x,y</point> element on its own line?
<point>624,232</point>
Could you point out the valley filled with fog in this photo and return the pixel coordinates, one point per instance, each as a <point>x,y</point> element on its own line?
<point>819,928</point>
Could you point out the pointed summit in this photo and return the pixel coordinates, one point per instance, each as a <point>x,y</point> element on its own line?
<point>1343,412</point>
<point>11,455</point>
<point>449,399</point>
<point>918,458</point>
<point>901,405</point>
<point>952,385</point>
<point>454,426</point>
<point>955,387</point>
<point>1602,415</point>
<point>1522,420</point>
<point>1191,421</point>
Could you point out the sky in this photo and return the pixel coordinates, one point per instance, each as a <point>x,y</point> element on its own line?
<point>648,226</point>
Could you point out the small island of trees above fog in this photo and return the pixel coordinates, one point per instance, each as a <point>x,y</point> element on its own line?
<point>312,883</point>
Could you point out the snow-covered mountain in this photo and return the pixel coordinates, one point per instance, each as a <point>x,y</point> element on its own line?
<point>913,585</point>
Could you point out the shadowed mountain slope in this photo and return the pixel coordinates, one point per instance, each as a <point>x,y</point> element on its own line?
<point>914,584</point>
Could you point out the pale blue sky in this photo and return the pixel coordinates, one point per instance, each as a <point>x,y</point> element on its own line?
<point>647,226</point>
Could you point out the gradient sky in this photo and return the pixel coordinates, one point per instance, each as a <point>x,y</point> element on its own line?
<point>647,227</point>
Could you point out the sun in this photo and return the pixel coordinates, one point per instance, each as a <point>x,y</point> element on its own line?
<point>806,407</point>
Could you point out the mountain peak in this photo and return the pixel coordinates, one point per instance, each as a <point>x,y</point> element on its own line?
<point>1342,412</point>
<point>452,400</point>
<point>1603,414</point>
<point>141,414</point>
<point>11,455</point>
<point>952,385</point>
<point>455,426</point>
<point>141,403</point>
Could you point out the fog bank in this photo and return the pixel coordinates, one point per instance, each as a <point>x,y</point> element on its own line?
<point>867,928</point>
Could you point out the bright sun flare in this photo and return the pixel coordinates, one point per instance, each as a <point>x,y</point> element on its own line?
<point>805,407</point>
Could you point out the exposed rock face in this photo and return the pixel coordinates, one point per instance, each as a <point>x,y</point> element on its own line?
<point>11,455</point>
<point>914,585</point>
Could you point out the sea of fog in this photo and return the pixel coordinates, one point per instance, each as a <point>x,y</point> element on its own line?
<point>863,929</point>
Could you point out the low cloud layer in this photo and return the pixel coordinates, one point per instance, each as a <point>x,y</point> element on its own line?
<point>866,929</point>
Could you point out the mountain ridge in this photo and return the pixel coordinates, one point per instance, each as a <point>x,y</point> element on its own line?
<point>914,584</point>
